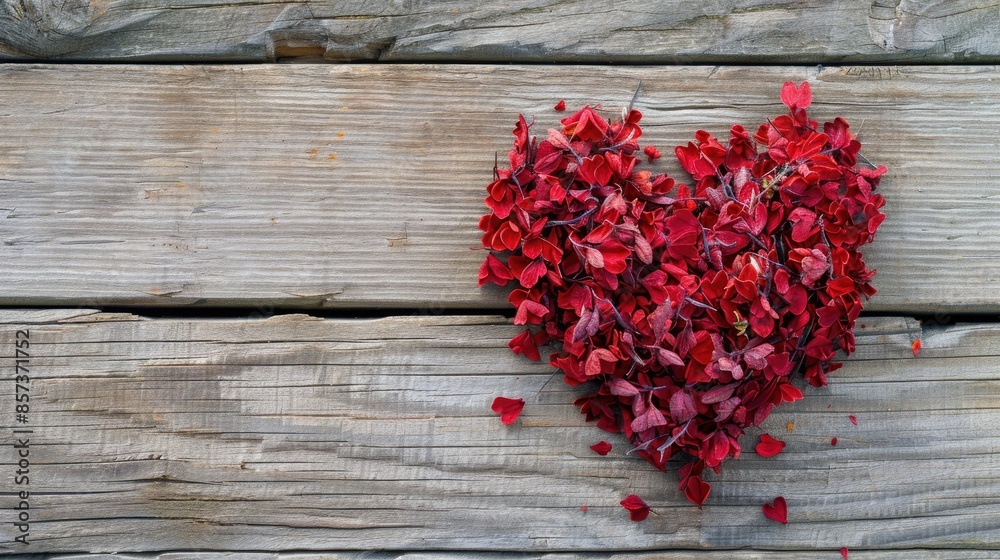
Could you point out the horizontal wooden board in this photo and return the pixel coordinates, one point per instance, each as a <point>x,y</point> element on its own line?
<point>758,31</point>
<point>361,186</point>
<point>297,433</point>
<point>813,554</point>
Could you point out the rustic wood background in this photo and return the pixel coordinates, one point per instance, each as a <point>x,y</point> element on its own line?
<point>251,288</point>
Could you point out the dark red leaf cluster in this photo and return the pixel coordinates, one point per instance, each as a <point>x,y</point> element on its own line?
<point>690,308</point>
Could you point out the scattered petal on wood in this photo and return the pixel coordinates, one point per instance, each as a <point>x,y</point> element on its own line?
<point>777,511</point>
<point>853,419</point>
<point>768,446</point>
<point>601,448</point>
<point>508,409</point>
<point>637,508</point>
<point>916,347</point>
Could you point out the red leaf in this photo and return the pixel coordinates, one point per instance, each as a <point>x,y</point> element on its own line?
<point>621,388</point>
<point>594,365</point>
<point>588,325</point>
<point>526,344</point>
<point>561,106</point>
<point>651,153</point>
<point>668,358</point>
<point>916,346</point>
<point>493,270</point>
<point>586,125</point>
<point>697,490</point>
<point>790,393</point>
<point>532,272</point>
<point>814,266</point>
<point>756,357</point>
<point>601,448</point>
<point>637,509</point>
<point>652,418</point>
<point>530,312</point>
<point>853,419</point>
<point>768,446</point>
<point>778,511</point>
<point>615,255</point>
<point>508,409</point>
<point>682,407</point>
<point>796,97</point>
<point>643,250</point>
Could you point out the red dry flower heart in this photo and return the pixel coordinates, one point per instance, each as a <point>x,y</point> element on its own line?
<point>689,308</point>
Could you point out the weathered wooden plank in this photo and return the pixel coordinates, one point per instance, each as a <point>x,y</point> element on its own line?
<point>310,434</point>
<point>728,31</point>
<point>361,186</point>
<point>922,554</point>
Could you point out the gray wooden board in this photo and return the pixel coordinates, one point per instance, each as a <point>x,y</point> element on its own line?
<point>813,554</point>
<point>315,186</point>
<point>646,31</point>
<point>297,433</point>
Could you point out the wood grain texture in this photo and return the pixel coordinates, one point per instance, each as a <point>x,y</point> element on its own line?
<point>361,186</point>
<point>297,433</point>
<point>728,31</point>
<point>813,554</point>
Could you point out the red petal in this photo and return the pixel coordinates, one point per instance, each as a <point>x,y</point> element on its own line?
<point>637,509</point>
<point>833,441</point>
<point>651,153</point>
<point>853,419</point>
<point>561,106</point>
<point>601,448</point>
<point>796,97</point>
<point>916,347</point>
<point>697,490</point>
<point>526,344</point>
<point>682,406</point>
<point>508,409</point>
<point>778,511</point>
<point>843,553</point>
<point>790,393</point>
<point>768,446</point>
<point>493,270</point>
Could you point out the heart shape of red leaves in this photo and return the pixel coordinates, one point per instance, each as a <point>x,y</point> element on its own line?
<point>693,309</point>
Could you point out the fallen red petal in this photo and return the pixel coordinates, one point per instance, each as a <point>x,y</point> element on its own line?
<point>583,508</point>
<point>601,448</point>
<point>833,441</point>
<point>508,409</point>
<point>843,552</point>
<point>561,106</point>
<point>697,490</point>
<point>916,347</point>
<point>777,511</point>
<point>768,446</point>
<point>853,419</point>
<point>637,508</point>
